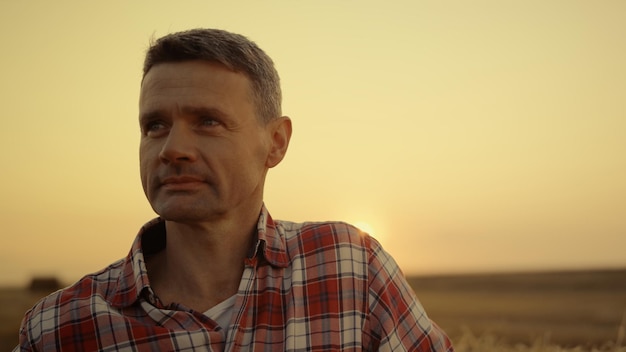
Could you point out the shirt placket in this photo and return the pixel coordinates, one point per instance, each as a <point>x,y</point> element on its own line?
<point>237,335</point>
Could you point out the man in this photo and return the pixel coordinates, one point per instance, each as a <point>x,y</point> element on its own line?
<point>215,271</point>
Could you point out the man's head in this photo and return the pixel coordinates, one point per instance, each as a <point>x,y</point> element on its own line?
<point>209,112</point>
<point>232,50</point>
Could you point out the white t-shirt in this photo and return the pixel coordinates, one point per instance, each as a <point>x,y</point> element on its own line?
<point>222,312</point>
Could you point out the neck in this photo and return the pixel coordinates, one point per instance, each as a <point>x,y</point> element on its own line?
<point>202,263</point>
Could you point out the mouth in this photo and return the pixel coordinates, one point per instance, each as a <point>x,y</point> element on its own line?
<point>181,183</point>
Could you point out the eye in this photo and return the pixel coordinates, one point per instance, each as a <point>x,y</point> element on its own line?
<point>209,122</point>
<point>152,128</point>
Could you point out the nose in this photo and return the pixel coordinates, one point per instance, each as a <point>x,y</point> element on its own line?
<point>179,145</point>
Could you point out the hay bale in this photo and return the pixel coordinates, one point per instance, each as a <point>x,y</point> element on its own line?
<point>44,283</point>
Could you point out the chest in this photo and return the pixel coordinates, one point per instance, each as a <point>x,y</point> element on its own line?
<point>274,310</point>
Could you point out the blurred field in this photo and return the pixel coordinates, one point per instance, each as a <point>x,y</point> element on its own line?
<point>14,302</point>
<point>567,309</point>
<point>542,312</point>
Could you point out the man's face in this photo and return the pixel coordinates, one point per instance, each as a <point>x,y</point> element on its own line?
<point>204,151</point>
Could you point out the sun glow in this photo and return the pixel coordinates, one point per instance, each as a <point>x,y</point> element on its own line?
<point>363,226</point>
<point>370,230</point>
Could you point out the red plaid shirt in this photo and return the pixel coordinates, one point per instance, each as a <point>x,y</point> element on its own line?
<point>308,287</point>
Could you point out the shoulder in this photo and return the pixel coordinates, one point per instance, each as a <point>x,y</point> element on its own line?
<point>102,283</point>
<point>70,304</point>
<point>324,247</point>
<point>309,237</point>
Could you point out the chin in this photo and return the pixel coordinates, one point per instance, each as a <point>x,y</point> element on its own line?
<point>174,213</point>
<point>185,214</point>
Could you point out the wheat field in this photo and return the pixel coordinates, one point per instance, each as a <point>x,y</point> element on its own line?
<point>540,312</point>
<point>468,342</point>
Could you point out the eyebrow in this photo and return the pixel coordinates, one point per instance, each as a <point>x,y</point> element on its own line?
<point>201,110</point>
<point>188,110</point>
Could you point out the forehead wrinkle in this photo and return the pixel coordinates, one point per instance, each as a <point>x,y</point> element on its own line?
<point>181,98</point>
<point>201,110</point>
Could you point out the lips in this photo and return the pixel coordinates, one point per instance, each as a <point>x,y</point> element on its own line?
<point>182,183</point>
<point>180,180</point>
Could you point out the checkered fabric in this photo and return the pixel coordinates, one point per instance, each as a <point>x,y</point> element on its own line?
<point>307,287</point>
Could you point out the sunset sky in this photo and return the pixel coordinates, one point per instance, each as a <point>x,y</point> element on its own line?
<point>468,136</point>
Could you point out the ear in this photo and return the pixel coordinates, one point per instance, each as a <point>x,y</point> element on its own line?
<point>280,130</point>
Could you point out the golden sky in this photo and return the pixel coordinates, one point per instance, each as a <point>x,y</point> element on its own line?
<point>467,135</point>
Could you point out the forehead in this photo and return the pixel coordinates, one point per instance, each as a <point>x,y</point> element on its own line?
<point>196,82</point>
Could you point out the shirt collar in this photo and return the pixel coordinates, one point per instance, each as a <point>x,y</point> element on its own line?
<point>133,276</point>
<point>271,241</point>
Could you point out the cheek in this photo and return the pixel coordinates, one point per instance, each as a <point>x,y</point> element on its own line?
<point>144,166</point>
<point>143,174</point>
<point>255,157</point>
<point>261,151</point>
<point>148,152</point>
